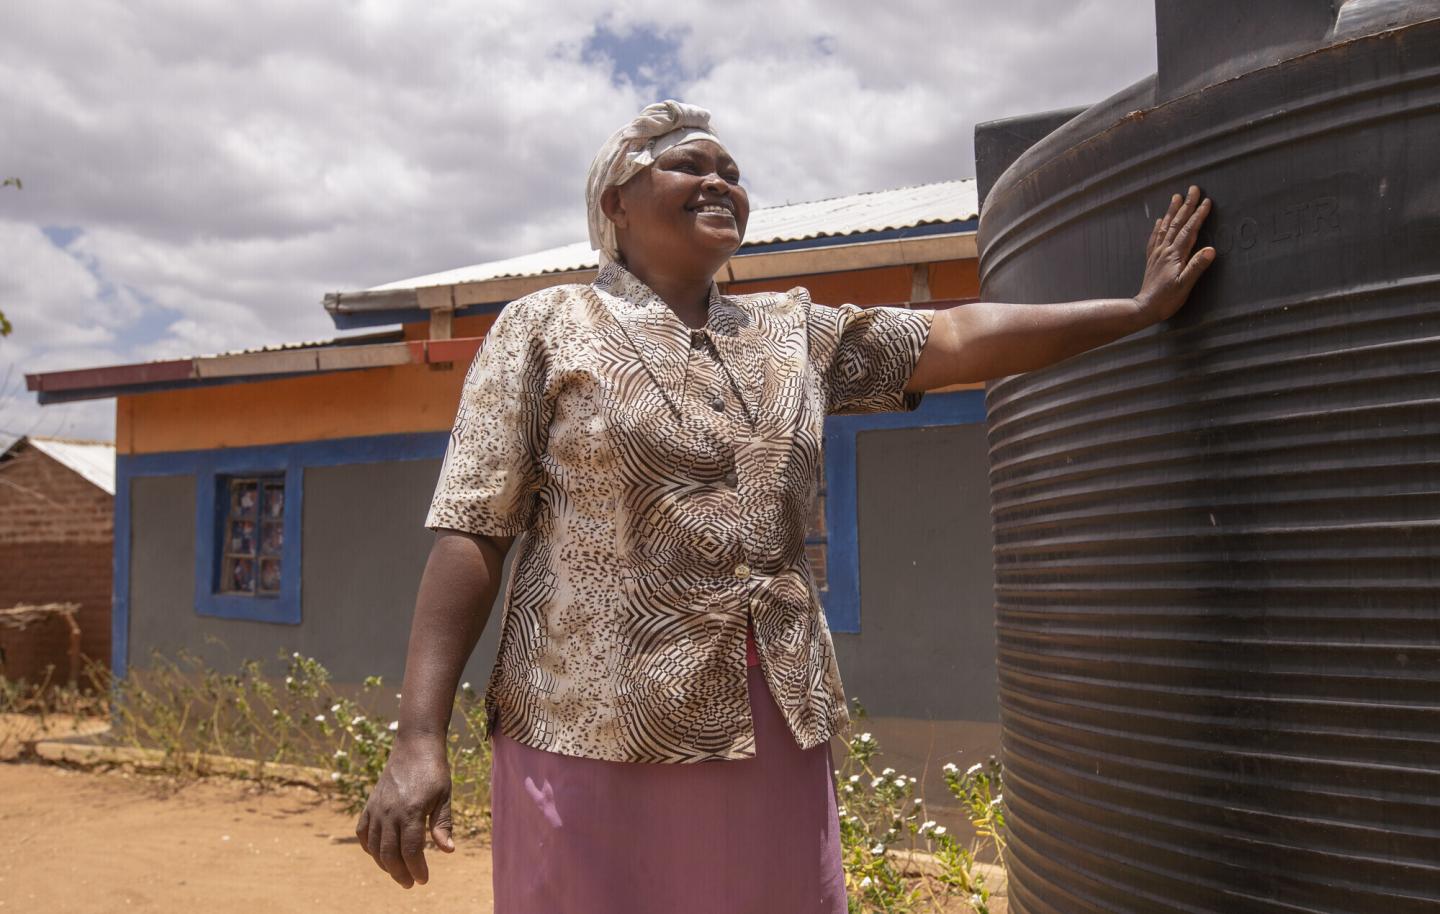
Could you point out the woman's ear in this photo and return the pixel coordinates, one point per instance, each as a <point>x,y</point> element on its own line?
<point>613,206</point>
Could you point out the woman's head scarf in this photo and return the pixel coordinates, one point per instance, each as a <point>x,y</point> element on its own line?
<point>632,149</point>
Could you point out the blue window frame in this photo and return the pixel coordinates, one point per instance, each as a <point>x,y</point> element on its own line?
<point>247,554</point>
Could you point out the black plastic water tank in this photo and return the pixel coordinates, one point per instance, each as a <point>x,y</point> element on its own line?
<point>1217,542</point>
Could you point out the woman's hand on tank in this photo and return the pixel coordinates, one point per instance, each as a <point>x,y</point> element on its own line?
<point>413,791</point>
<point>1171,270</point>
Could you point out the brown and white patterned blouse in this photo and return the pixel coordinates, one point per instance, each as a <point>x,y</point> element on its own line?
<point>663,479</point>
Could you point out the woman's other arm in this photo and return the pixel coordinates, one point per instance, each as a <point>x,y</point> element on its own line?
<point>453,604</point>
<point>985,340</point>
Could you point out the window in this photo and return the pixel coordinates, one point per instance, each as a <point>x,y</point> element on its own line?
<point>253,536</point>
<point>247,549</point>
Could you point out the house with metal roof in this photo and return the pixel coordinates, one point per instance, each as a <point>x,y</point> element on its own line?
<point>274,498</point>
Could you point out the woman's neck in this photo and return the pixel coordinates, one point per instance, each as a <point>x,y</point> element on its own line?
<point>687,295</point>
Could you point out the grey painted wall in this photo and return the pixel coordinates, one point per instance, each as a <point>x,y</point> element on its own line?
<point>364,549</point>
<point>926,651</point>
<point>926,648</point>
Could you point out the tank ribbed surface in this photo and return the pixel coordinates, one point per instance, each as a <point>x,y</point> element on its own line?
<point>1217,543</point>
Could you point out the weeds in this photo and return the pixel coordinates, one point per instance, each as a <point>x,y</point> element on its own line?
<point>885,830</point>
<point>897,859</point>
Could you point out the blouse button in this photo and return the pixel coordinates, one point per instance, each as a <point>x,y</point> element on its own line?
<point>742,571</point>
<point>718,405</point>
<point>732,479</point>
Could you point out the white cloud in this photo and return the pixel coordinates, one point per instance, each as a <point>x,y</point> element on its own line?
<point>227,165</point>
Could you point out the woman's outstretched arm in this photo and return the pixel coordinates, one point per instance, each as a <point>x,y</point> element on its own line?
<point>985,340</point>
<point>453,604</point>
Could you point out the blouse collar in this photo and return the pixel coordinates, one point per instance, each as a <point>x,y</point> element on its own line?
<point>663,340</point>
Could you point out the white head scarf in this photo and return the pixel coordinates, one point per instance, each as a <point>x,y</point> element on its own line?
<point>632,149</point>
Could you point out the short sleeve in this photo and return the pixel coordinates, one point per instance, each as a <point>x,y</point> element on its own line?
<point>867,355</point>
<point>492,467</point>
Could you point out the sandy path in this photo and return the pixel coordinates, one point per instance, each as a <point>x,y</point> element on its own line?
<point>77,843</point>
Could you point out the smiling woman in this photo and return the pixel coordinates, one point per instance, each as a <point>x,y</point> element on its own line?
<point>666,688</point>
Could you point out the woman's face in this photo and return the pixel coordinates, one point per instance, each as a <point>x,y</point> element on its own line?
<point>688,208</point>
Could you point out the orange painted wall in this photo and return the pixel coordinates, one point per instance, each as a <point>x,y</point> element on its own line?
<point>416,398</point>
<point>474,325</point>
<point>372,401</point>
<point>880,286</point>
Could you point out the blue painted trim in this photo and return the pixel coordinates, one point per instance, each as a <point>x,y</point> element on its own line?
<point>120,573</point>
<point>204,467</point>
<point>842,598</point>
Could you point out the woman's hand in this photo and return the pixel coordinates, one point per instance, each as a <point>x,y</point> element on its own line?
<point>985,340</point>
<point>1170,269</point>
<point>413,792</point>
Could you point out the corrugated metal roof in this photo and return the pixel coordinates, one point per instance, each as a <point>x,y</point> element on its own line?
<point>877,211</point>
<point>357,339</point>
<point>94,460</point>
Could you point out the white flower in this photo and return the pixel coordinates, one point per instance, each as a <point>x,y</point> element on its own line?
<point>999,798</point>
<point>854,778</point>
<point>334,775</point>
<point>394,725</point>
<point>878,849</point>
<point>359,720</point>
<point>397,696</point>
<point>341,753</point>
<point>866,882</point>
<point>849,788</point>
<point>939,830</point>
<point>465,686</point>
<point>875,784</point>
<point>926,826</point>
<point>973,769</point>
<point>865,737</point>
<point>295,654</point>
<point>274,712</point>
<point>918,802</point>
<point>900,781</point>
<point>335,708</point>
<point>951,768</point>
<point>888,772</point>
<point>320,718</point>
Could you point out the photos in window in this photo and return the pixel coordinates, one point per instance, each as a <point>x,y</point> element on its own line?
<point>253,538</point>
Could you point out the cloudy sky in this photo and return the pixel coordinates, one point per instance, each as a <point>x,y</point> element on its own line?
<point>198,174</point>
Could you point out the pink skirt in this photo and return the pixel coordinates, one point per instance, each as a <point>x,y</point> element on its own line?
<point>751,836</point>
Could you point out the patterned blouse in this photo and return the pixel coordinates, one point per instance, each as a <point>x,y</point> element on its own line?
<point>663,479</point>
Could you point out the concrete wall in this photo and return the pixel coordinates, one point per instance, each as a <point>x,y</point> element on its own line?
<point>923,664</point>
<point>364,549</point>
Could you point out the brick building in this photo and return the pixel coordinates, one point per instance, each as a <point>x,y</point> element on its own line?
<point>56,546</point>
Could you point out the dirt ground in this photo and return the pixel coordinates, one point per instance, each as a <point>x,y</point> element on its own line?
<point>98,843</point>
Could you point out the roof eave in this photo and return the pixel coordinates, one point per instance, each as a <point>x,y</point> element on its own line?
<point>359,309</point>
